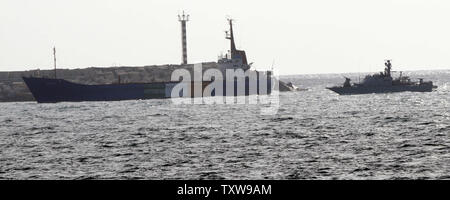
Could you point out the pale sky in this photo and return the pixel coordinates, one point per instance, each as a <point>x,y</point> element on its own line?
<point>300,37</point>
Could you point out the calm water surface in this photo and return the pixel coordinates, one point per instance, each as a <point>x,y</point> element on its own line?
<point>315,135</point>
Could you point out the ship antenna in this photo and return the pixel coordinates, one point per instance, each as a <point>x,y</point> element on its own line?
<point>183,19</point>
<point>54,59</point>
<point>273,63</point>
<point>359,70</point>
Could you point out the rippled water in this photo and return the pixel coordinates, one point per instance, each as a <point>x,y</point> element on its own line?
<point>315,135</point>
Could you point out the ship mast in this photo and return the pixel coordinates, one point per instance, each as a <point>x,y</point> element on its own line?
<point>230,36</point>
<point>388,69</point>
<point>234,53</point>
<point>54,59</point>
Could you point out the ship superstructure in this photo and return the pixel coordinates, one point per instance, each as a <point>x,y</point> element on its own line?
<point>235,58</point>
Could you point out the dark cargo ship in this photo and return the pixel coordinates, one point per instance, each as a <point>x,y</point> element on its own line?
<point>48,90</point>
<point>52,90</point>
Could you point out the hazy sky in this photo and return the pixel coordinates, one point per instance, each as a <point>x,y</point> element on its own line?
<point>315,36</point>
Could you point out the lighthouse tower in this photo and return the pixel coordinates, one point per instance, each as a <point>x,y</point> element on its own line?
<point>183,19</point>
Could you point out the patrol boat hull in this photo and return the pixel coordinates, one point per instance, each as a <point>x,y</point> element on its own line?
<point>381,89</point>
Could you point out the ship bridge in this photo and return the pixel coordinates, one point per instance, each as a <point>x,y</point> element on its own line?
<point>235,58</point>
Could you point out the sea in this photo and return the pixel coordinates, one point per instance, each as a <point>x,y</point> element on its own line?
<point>315,134</point>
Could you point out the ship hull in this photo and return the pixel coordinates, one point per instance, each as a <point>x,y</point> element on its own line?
<point>382,89</point>
<point>45,90</point>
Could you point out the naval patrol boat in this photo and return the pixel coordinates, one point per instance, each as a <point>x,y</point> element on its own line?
<point>383,82</point>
